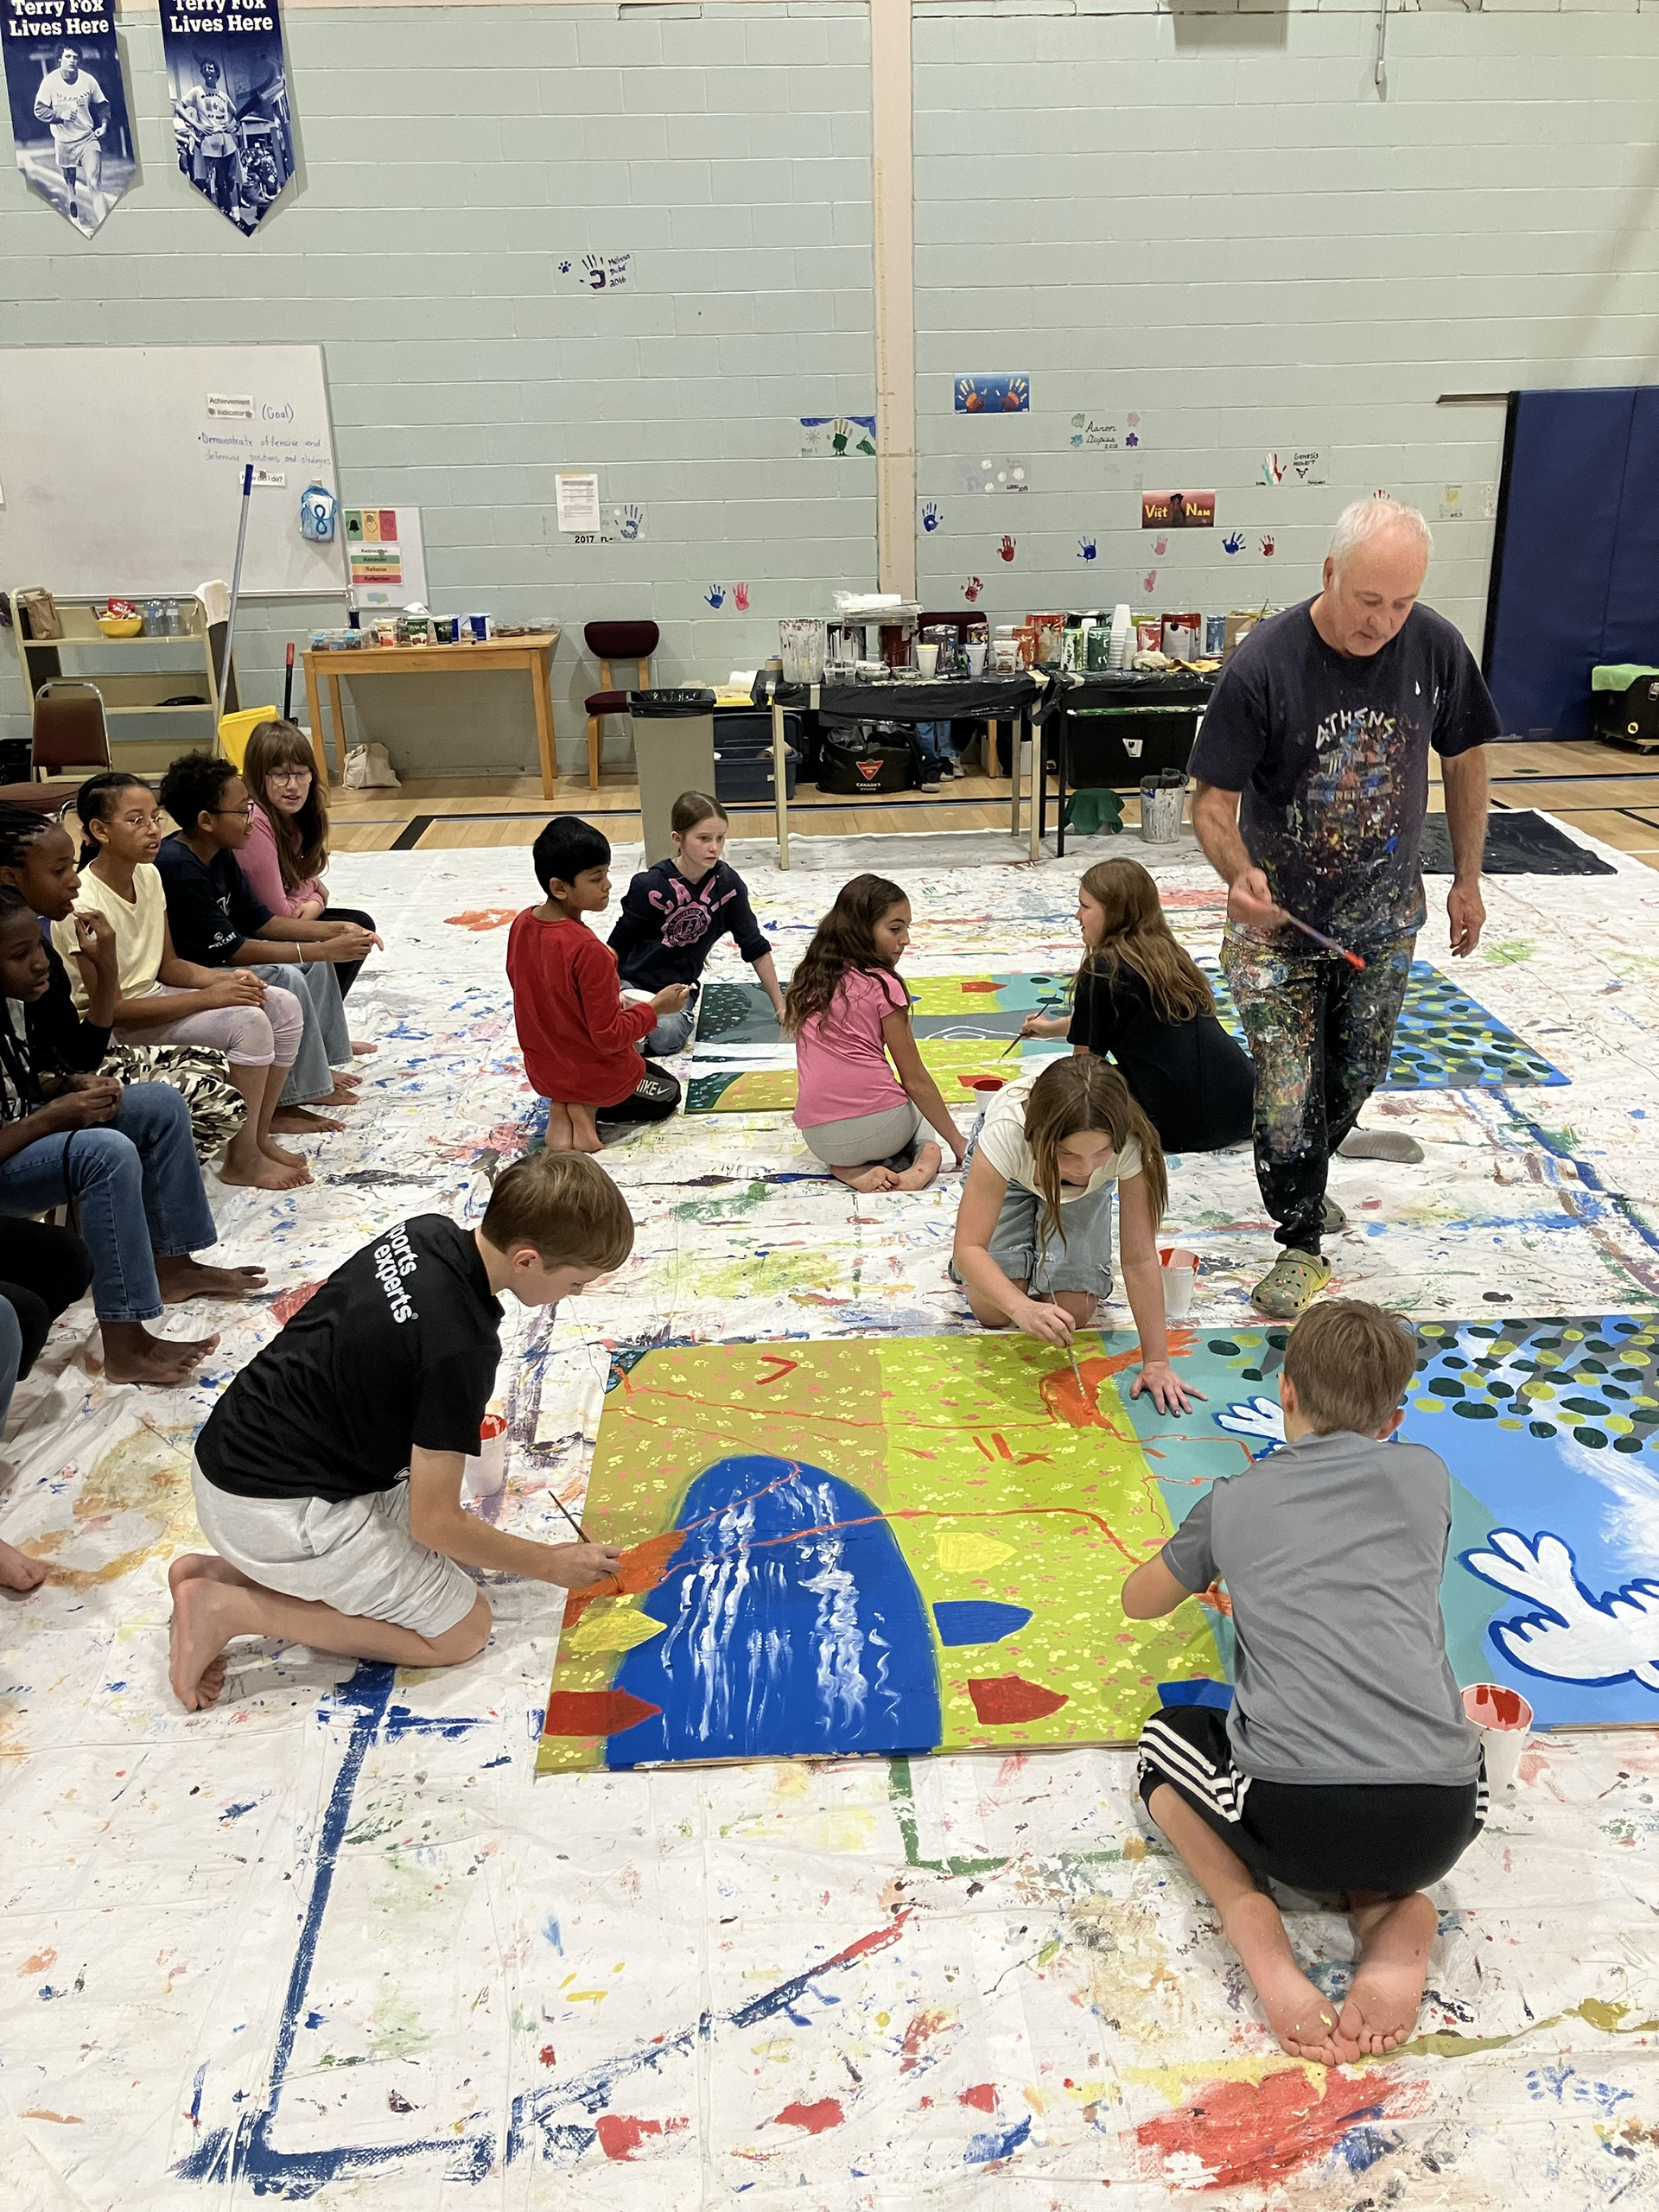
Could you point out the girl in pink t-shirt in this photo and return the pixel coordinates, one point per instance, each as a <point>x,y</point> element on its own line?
<point>862,1094</point>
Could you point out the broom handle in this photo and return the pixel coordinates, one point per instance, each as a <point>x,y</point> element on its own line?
<point>236,581</point>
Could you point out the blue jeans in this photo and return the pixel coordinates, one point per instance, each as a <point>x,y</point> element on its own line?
<point>672,1034</point>
<point>140,1193</point>
<point>934,740</point>
<point>326,1042</point>
<point>12,1358</point>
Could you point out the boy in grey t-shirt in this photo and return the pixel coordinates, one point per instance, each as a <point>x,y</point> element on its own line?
<point>1345,1763</point>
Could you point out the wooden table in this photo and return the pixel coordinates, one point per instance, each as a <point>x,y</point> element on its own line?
<point>530,656</point>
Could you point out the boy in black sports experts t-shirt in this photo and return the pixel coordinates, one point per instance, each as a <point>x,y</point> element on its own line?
<point>328,1478</point>
<point>1346,1765</point>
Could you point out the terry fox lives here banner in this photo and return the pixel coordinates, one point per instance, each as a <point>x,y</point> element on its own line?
<point>68,105</point>
<point>228,79</point>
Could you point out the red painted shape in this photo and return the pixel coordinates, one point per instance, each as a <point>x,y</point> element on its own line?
<point>982,2096</point>
<point>549,2056</point>
<point>827,2112</point>
<point>285,1307</point>
<point>980,984</point>
<point>595,1713</point>
<point>620,2136</point>
<point>1263,2132</point>
<point>877,1940</point>
<point>1000,1699</point>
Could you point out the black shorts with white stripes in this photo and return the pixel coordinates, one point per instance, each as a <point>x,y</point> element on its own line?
<point>1391,1837</point>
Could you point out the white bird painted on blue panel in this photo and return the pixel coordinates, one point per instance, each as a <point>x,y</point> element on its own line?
<point>1576,1637</point>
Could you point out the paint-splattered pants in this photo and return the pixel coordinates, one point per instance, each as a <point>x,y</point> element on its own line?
<point>1320,1033</point>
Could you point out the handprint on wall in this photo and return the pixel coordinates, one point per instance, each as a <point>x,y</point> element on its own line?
<point>1160,546</point>
<point>841,432</point>
<point>595,266</point>
<point>1149,581</point>
<point>715,596</point>
<point>1266,549</point>
<point>1234,542</point>
<point>1087,549</point>
<point>929,518</point>
<point>633,521</point>
<point>1005,551</point>
<point>971,589</point>
<point>740,598</point>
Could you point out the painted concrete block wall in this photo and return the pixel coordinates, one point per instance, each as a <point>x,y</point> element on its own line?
<point>457,166</point>
<point>1215,223</point>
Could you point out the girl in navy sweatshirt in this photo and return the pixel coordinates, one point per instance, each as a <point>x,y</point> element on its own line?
<point>673,913</point>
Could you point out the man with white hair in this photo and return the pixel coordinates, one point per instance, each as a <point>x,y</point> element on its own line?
<point>1321,725</point>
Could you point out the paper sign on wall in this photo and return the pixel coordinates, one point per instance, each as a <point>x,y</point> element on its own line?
<point>1306,467</point>
<point>1002,394</point>
<point>575,498</point>
<point>68,104</point>
<point>1178,511</point>
<point>384,556</point>
<point>839,435</point>
<point>995,473</point>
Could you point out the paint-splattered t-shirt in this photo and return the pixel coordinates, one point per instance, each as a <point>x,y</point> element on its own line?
<point>1330,752</point>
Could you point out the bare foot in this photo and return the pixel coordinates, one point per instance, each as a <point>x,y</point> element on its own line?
<point>203,1623</point>
<point>922,1170</point>
<point>182,1277</point>
<point>297,1121</point>
<point>343,1094</point>
<point>584,1130</point>
<point>363,1050</point>
<point>866,1178</point>
<point>1395,1941</point>
<point>250,1167</point>
<point>1305,2024</point>
<point>283,1157</point>
<point>18,1571</point>
<point>133,1354</point>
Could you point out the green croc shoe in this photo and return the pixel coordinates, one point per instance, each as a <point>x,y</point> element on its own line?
<point>1332,1216</point>
<point>1294,1282</point>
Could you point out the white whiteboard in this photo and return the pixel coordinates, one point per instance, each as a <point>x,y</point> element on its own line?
<point>115,477</point>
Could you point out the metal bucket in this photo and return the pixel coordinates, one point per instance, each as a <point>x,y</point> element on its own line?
<point>1163,800</point>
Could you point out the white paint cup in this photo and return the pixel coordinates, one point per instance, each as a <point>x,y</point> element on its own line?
<point>1504,1720</point>
<point>927,659</point>
<point>484,1474</point>
<point>1181,1274</point>
<point>977,658</point>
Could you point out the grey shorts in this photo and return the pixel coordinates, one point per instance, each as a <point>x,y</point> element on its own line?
<point>354,1554</point>
<point>865,1139</point>
<point>1080,1259</point>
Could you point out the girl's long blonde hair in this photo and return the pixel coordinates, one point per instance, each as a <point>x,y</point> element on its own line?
<point>1137,936</point>
<point>301,839</point>
<point>1083,1093</point>
<point>844,938</point>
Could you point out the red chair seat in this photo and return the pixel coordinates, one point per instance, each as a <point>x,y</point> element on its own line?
<point>608,702</point>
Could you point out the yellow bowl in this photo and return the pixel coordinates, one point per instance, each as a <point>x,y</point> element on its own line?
<point>121,625</point>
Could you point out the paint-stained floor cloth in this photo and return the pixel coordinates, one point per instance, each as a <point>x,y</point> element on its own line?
<point>333,1942</point>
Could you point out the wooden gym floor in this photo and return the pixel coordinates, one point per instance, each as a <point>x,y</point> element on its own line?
<point>1595,788</point>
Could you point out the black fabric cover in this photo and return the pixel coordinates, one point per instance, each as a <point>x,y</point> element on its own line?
<point>985,698</point>
<point>1516,844</point>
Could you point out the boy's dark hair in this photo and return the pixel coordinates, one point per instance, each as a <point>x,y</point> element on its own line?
<point>1351,1363</point>
<point>692,807</point>
<point>564,1205</point>
<point>566,848</point>
<point>194,785</point>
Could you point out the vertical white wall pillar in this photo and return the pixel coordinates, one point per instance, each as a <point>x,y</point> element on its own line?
<point>894,188</point>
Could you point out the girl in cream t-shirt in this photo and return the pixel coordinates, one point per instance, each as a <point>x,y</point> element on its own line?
<point>1033,1240</point>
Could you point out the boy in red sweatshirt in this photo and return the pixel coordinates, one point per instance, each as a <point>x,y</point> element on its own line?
<point>581,1043</point>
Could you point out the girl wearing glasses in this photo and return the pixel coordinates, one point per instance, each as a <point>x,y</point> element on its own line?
<point>286,849</point>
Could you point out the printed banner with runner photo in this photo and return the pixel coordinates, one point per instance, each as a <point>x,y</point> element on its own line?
<point>69,106</point>
<point>228,81</point>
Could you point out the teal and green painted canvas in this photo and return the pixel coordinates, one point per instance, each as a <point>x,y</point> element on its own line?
<point>893,1545</point>
<point>1443,1041</point>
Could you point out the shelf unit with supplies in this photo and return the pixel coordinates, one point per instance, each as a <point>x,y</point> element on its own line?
<point>136,676</point>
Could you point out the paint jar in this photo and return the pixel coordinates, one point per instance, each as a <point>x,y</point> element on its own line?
<point>1050,629</point>
<point>479,627</point>
<point>801,649</point>
<point>1181,635</point>
<point>1097,649</point>
<point>975,654</point>
<point>444,629</point>
<point>1504,1719</point>
<point>1180,1274</point>
<point>927,660</point>
<point>1149,633</point>
<point>1215,636</point>
<point>385,630</point>
<point>485,1473</point>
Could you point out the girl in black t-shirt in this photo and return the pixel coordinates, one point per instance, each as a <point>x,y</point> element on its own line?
<point>1143,1002</point>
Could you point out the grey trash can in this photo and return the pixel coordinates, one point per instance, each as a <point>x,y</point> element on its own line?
<point>674,748</point>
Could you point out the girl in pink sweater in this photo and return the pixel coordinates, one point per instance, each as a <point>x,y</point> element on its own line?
<point>288,846</point>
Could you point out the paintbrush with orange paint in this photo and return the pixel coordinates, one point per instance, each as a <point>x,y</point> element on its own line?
<point>1329,943</point>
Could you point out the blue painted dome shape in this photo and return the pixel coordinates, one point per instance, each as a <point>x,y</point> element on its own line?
<point>793,1627</point>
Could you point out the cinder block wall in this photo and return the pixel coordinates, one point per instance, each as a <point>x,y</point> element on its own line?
<point>1213,221</point>
<point>453,160</point>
